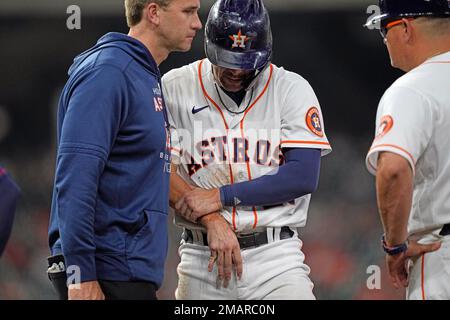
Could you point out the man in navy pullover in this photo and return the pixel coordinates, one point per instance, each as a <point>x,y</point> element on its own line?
<point>110,199</point>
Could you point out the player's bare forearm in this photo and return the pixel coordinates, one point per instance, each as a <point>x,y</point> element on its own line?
<point>178,187</point>
<point>394,183</point>
<point>210,219</point>
<point>394,194</point>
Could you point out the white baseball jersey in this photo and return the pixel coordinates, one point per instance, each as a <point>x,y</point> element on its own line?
<point>413,121</point>
<point>216,147</point>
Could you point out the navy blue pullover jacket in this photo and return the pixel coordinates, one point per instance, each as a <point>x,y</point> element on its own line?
<point>110,198</point>
<point>9,194</point>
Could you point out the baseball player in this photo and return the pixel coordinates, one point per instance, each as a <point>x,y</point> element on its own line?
<point>409,155</point>
<point>247,141</point>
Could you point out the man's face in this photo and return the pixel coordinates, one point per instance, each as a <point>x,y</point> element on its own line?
<point>179,24</point>
<point>232,80</point>
<point>391,42</point>
<point>396,43</point>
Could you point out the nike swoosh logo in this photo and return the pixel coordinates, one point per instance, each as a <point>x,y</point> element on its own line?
<point>195,110</point>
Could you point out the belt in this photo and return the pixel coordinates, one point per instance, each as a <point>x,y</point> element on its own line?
<point>251,240</point>
<point>445,230</point>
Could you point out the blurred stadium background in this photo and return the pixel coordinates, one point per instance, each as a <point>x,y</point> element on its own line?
<point>323,40</point>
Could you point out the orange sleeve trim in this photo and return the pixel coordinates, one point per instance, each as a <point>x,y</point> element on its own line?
<point>305,142</point>
<point>372,166</point>
<point>423,277</point>
<point>437,62</point>
<point>175,149</point>
<point>396,147</point>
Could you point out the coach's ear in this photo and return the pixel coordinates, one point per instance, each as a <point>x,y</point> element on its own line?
<point>152,14</point>
<point>409,33</point>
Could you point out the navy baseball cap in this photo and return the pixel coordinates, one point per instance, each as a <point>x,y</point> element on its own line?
<point>394,9</point>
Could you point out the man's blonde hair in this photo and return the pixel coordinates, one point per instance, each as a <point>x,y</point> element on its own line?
<point>134,8</point>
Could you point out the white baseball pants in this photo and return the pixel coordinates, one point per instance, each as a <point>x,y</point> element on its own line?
<point>274,271</point>
<point>429,275</point>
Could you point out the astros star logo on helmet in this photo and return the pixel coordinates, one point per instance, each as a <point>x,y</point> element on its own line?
<point>239,40</point>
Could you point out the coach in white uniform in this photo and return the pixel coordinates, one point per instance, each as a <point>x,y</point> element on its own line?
<point>410,155</point>
<point>247,140</point>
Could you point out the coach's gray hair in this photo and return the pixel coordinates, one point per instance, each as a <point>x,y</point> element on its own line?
<point>133,9</point>
<point>434,26</point>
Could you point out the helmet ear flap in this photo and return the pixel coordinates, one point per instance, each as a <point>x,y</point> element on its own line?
<point>238,34</point>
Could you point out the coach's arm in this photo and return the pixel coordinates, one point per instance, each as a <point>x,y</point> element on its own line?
<point>394,183</point>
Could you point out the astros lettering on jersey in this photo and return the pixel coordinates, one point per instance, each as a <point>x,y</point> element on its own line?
<point>216,147</point>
